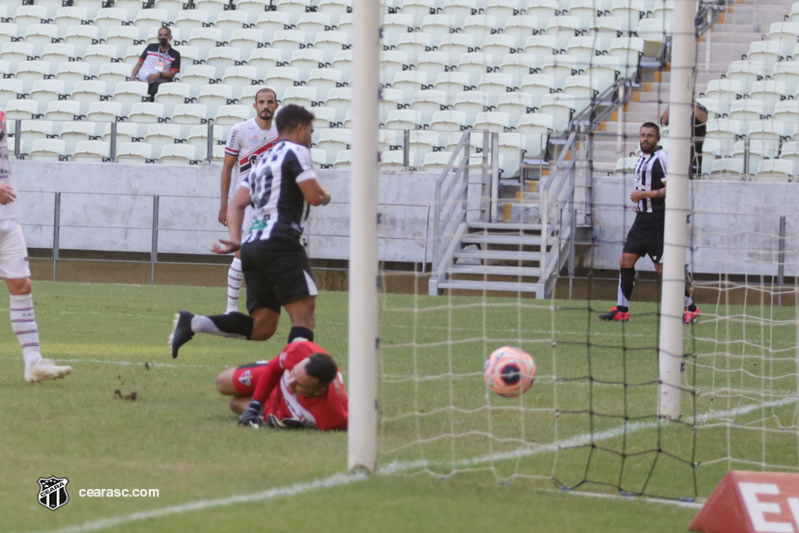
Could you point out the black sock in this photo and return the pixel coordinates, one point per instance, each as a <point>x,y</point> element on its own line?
<point>235,323</point>
<point>622,308</point>
<point>300,332</point>
<point>627,282</point>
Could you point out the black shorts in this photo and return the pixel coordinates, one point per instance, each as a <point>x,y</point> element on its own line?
<point>646,236</point>
<point>277,273</point>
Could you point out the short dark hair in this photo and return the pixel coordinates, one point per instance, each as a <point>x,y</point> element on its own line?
<point>322,367</point>
<point>291,116</point>
<point>650,125</point>
<point>266,89</point>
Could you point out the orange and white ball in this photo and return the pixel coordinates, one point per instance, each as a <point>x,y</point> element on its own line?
<point>509,371</point>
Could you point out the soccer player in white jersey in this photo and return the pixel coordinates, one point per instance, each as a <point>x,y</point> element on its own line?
<point>15,270</point>
<point>247,141</point>
<point>281,188</point>
<point>646,234</point>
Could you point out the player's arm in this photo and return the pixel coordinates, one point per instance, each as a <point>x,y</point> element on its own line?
<point>253,415</point>
<point>7,194</point>
<point>313,192</point>
<point>637,196</point>
<point>235,217</point>
<point>227,173</point>
<point>700,113</point>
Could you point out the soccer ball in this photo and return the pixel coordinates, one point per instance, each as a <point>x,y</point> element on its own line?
<point>509,371</point>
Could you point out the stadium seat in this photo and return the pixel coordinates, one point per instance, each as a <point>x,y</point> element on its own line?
<point>174,7</point>
<point>769,92</point>
<point>232,114</point>
<point>146,112</point>
<point>131,7</point>
<point>628,13</point>
<point>625,166</point>
<point>270,22</point>
<point>104,112</point>
<point>431,63</point>
<point>28,15</point>
<point>501,10</point>
<point>324,79</point>
<point>288,41</point>
<point>253,8</point>
<point>178,154</point>
<point>198,137</point>
<point>536,129</point>
<point>134,153</point>
<point>391,62</point>
<point>92,7</point>
<point>172,94</point>
<point>342,159</point>
<point>480,27</point>
<point>31,131</point>
<point>123,37</point>
<point>452,82</point>
<point>404,119</point>
<point>69,16</point>
<point>775,170</point>
<point>474,64</point>
<point>305,60</point>
<point>97,55</point>
<point>48,150</point>
<point>75,131</point>
<point>46,91</point>
<point>497,46</point>
<point>390,99</point>
<point>427,102</point>
<point>536,86</point>
<point>790,152</point>
<point>246,40</point>
<point>628,50</point>
<point>394,160</point>
<point>459,10</point>
<point>16,53</point>
<point>88,91</point>
<point>784,33</point>
<point>331,42</point>
<point>40,35</point>
<point>421,143</point>
<point>212,7</point>
<point>414,43</point>
<point>583,49</point>
<point>265,58</point>
<point>471,103</point>
<point>495,84</point>
<point>229,21</point>
<point>521,27</point>
<point>324,117</point>
<point>725,91</point>
<point>115,73</point>
<point>342,61</point>
<point>160,135</point>
<point>653,32</point>
<point>727,168</point>
<point>280,78</point>
<point>339,99</point>
<point>747,111</point>
<point>32,71</point>
<point>63,110</point>
<point>511,153</point>
<point>336,8</point>
<point>247,95</point>
<point>8,32</point>
<point>541,47</point>
<point>786,111</point>
<point>125,132</point>
<point>91,151</point>
<point>319,158</point>
<point>436,162</point>
<point>449,120</point>
<point>543,10</point>
<point>108,17</point>
<point>214,96</point>
<point>746,72</point>
<point>57,53</point>
<point>295,8</point>
<point>222,57</point>
<point>604,71</point>
<point>196,76</point>
<point>519,66</point>
<point>128,93</point>
<point>756,150</point>
<point>205,39</point>
<point>766,52</point>
<point>303,96</point>
<point>313,23</point>
<point>516,103</point>
<point>437,26</point>
<point>11,89</point>
<point>190,114</point>
<point>419,9</point>
<point>409,82</point>
<point>334,141</point>
<point>394,25</point>
<point>190,19</point>
<point>562,28</point>
<point>584,89</point>
<point>607,29</point>
<point>493,121</point>
<point>787,72</point>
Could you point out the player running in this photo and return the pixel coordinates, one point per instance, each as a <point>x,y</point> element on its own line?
<point>300,388</point>
<point>247,141</point>
<point>14,268</point>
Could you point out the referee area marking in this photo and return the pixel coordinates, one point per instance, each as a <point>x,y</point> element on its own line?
<point>396,467</point>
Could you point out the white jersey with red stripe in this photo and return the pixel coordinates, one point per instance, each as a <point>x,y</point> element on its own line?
<point>247,141</point>
<point>13,209</point>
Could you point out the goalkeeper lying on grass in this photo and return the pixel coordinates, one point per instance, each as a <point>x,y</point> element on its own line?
<point>300,388</point>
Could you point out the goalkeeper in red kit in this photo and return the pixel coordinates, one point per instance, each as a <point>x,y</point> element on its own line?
<point>300,388</point>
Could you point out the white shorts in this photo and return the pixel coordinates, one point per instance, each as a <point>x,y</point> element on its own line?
<point>249,219</point>
<point>13,252</point>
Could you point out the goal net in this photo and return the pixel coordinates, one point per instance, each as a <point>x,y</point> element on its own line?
<point>521,241</point>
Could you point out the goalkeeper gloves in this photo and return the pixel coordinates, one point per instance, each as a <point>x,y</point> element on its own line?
<point>288,423</point>
<point>253,416</point>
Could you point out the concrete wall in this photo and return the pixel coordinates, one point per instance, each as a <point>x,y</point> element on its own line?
<point>110,207</point>
<point>734,228</point>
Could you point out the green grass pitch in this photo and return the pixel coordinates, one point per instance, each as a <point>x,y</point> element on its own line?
<point>179,437</point>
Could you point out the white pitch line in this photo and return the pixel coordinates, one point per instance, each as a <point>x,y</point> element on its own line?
<point>279,492</point>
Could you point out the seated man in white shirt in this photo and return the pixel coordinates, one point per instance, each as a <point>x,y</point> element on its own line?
<point>159,63</point>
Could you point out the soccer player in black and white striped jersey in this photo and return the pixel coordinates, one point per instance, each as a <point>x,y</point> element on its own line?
<point>646,234</point>
<point>281,188</point>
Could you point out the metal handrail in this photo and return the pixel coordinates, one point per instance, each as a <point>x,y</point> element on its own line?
<point>452,200</point>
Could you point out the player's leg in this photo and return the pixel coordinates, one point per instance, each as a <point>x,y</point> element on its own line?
<point>15,269</point>
<point>621,312</point>
<point>303,319</point>
<point>690,312</point>
<point>239,384</point>
<point>235,274</point>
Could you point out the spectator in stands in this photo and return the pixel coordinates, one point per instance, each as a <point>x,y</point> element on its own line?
<point>700,121</point>
<point>159,63</point>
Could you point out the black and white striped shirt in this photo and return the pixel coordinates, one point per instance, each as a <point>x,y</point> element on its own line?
<point>650,175</point>
<point>280,207</point>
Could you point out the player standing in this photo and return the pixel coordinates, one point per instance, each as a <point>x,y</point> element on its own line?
<point>14,268</point>
<point>646,234</point>
<point>247,141</point>
<point>281,188</point>
<point>300,388</point>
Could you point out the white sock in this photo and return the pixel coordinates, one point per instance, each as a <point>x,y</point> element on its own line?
<point>23,322</point>
<point>687,301</point>
<point>234,277</point>
<point>203,324</point>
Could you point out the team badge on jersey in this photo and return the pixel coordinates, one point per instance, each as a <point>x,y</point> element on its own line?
<point>53,492</point>
<point>245,378</point>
